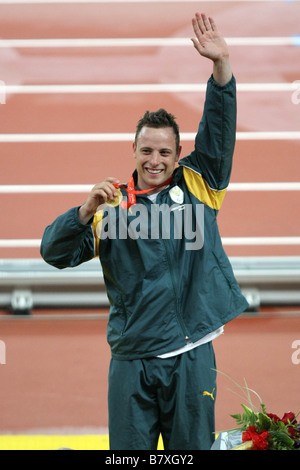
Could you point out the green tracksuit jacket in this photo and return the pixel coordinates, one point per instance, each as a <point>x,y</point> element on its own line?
<point>167,285</point>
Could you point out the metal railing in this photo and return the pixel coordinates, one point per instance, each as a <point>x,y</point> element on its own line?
<point>31,283</point>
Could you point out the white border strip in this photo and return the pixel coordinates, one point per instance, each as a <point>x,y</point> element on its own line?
<point>261,241</point>
<point>128,137</point>
<point>285,135</point>
<point>144,88</point>
<point>45,188</point>
<point>85,188</point>
<point>21,243</point>
<point>269,186</point>
<point>141,42</point>
<point>232,241</point>
<point>118,88</point>
<point>34,2</point>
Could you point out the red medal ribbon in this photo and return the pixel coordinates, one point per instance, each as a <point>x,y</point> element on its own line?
<point>131,191</point>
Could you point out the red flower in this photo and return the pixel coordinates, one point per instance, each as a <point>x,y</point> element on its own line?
<point>288,418</point>
<point>260,440</point>
<point>275,418</point>
<point>292,432</point>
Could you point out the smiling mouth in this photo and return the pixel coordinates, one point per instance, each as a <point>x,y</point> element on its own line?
<point>153,171</point>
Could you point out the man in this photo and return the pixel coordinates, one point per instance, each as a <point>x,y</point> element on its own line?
<point>169,296</point>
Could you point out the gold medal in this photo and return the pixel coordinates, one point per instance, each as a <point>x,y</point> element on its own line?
<point>117,200</point>
<point>131,192</point>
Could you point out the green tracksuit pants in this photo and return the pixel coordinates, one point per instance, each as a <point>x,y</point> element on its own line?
<point>174,397</point>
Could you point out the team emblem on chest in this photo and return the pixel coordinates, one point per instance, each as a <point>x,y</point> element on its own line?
<point>176,194</point>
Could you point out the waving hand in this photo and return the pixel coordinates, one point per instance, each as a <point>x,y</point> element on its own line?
<point>211,44</point>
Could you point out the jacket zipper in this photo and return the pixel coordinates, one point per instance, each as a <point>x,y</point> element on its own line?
<point>178,314</point>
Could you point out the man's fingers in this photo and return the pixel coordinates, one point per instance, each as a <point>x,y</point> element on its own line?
<point>112,179</point>
<point>201,24</point>
<point>197,25</point>
<point>104,191</point>
<point>197,45</point>
<point>110,188</point>
<point>206,22</point>
<point>213,24</point>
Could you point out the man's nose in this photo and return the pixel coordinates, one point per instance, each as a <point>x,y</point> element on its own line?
<point>155,158</point>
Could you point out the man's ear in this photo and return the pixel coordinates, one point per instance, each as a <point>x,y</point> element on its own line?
<point>133,148</point>
<point>178,153</point>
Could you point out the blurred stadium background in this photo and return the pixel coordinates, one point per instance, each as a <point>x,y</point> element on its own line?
<point>75,76</point>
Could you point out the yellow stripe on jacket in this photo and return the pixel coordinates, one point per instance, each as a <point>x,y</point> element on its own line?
<point>199,188</point>
<point>97,227</point>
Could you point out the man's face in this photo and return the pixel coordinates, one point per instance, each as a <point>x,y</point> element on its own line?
<point>156,155</point>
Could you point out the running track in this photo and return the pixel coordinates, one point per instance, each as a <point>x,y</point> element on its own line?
<point>53,137</point>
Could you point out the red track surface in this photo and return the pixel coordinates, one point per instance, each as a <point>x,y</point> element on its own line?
<point>55,374</point>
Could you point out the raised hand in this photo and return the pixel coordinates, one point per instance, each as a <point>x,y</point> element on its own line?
<point>100,194</point>
<point>211,44</point>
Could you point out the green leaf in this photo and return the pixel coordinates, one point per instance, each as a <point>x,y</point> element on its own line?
<point>281,441</point>
<point>238,418</point>
<point>249,417</point>
<point>263,408</point>
<point>263,422</point>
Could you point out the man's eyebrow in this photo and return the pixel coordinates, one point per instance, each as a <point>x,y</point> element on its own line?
<point>148,147</point>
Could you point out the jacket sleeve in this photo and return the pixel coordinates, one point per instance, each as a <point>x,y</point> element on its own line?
<point>67,242</point>
<point>215,139</point>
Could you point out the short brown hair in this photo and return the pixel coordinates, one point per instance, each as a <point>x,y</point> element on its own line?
<point>157,119</point>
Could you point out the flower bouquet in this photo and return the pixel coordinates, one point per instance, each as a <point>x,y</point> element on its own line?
<point>261,430</point>
<point>266,431</point>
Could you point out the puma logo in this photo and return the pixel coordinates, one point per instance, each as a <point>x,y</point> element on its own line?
<point>208,394</point>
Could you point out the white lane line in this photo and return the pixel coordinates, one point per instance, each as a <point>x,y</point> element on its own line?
<point>261,240</point>
<point>128,137</point>
<point>29,2</point>
<point>83,188</point>
<point>57,43</point>
<point>233,241</point>
<point>145,88</point>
